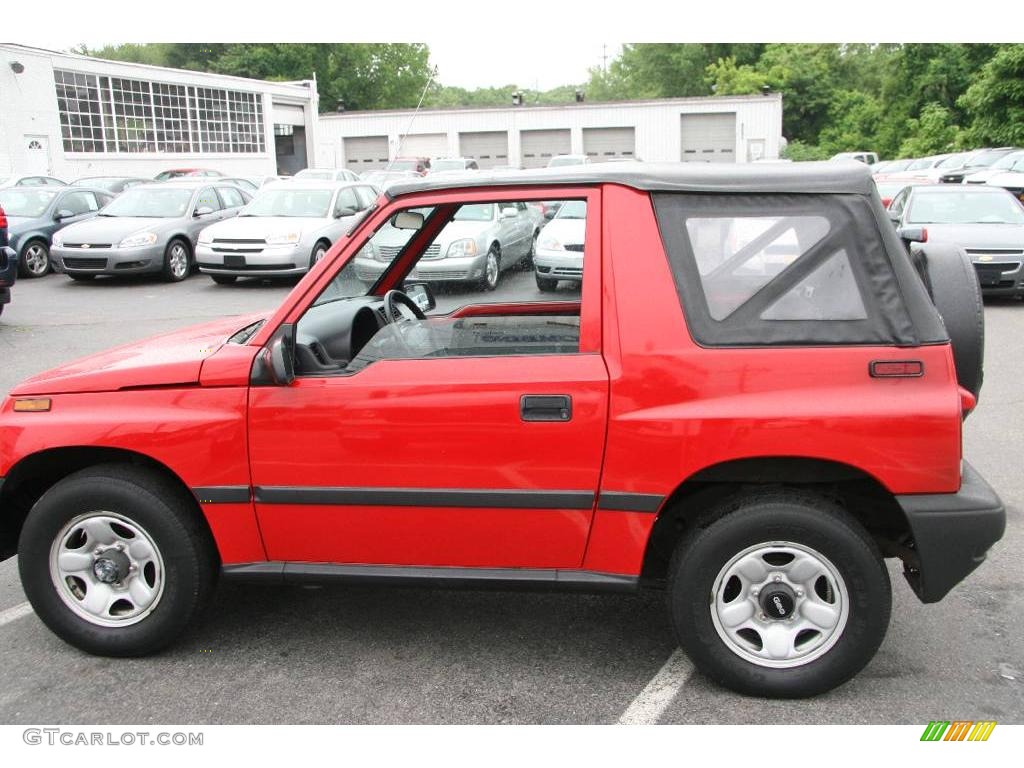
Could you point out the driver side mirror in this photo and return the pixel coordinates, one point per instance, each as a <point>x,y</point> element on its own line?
<point>203,211</point>
<point>340,213</point>
<point>63,214</point>
<point>509,213</point>
<point>421,294</point>
<point>275,364</point>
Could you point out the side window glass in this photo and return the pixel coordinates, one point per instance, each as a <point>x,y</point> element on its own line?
<point>232,197</point>
<point>347,202</point>
<point>829,293</point>
<point>367,197</point>
<point>78,203</point>
<point>208,199</point>
<point>737,257</point>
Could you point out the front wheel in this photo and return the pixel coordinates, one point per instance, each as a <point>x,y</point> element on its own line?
<point>116,561</point>
<point>785,595</point>
<point>319,251</point>
<point>545,284</point>
<point>492,270</point>
<point>35,259</point>
<point>177,262</point>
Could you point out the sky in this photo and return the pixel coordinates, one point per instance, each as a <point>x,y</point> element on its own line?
<point>477,63</point>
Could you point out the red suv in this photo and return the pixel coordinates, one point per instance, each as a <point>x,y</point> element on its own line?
<point>748,399</point>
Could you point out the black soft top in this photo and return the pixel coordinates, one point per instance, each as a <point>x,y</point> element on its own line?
<point>837,177</point>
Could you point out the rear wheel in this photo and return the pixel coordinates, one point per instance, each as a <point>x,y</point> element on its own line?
<point>115,560</point>
<point>35,259</point>
<point>177,261</point>
<point>224,279</point>
<point>783,595</point>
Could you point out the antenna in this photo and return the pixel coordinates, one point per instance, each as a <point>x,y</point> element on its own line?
<point>401,138</point>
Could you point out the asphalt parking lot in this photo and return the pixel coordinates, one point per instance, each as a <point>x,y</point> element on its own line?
<point>403,655</point>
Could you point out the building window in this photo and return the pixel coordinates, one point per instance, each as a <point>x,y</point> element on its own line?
<point>112,114</point>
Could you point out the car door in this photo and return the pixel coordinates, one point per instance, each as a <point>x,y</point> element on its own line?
<point>232,200</point>
<point>80,204</point>
<point>478,461</point>
<point>207,209</point>
<point>348,209</point>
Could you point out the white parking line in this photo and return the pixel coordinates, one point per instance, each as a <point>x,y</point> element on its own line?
<point>653,700</point>
<point>15,613</point>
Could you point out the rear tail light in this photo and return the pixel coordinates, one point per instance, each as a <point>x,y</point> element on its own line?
<point>967,401</point>
<point>3,219</point>
<point>886,201</point>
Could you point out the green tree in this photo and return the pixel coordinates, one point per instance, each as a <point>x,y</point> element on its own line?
<point>995,101</point>
<point>931,133</point>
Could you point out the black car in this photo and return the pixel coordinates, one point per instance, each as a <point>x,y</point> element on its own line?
<point>115,185</point>
<point>8,264</point>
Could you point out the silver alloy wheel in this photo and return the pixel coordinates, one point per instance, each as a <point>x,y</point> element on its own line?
<point>179,261</point>
<point>491,269</point>
<point>779,604</point>
<point>318,253</point>
<point>37,261</point>
<point>107,569</point>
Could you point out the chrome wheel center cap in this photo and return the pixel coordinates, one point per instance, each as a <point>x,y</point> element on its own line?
<point>111,567</point>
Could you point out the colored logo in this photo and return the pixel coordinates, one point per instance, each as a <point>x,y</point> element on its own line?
<point>958,730</point>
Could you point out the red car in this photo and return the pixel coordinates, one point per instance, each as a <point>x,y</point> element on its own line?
<point>177,173</point>
<point>750,402</point>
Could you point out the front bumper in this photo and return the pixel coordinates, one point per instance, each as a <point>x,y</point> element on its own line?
<point>952,533</point>
<point>1000,278</point>
<point>456,269</point>
<point>559,265</point>
<point>270,261</point>
<point>108,261</point>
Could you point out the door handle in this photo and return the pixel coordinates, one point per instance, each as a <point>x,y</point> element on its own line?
<point>545,407</point>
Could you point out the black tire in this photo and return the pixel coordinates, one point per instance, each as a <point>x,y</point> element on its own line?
<point>803,519</point>
<point>80,277</point>
<point>527,262</point>
<point>39,251</point>
<point>172,271</point>
<point>171,518</point>
<point>953,284</point>
<point>318,252</point>
<point>224,279</point>
<point>545,284</point>
<point>492,266</point>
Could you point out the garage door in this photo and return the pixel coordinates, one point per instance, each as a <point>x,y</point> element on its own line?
<point>606,143</point>
<point>709,138</point>
<point>289,114</point>
<point>366,153</point>
<point>424,145</point>
<point>488,148</point>
<point>540,146</point>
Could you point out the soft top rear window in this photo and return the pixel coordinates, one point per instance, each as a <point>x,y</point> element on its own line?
<point>785,269</point>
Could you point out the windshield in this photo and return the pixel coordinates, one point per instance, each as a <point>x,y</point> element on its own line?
<point>306,203</point>
<point>574,209</point>
<point>308,174</point>
<point>920,165</point>
<point>25,203</point>
<point>150,203</point>
<point>1006,162</point>
<point>448,165</point>
<point>953,161</point>
<point>557,161</point>
<point>404,165</point>
<point>985,159</point>
<point>996,207</point>
<point>483,212</point>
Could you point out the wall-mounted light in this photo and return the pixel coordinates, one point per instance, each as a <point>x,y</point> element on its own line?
<point>17,67</point>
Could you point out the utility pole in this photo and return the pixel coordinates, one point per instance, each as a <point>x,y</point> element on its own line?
<point>604,57</point>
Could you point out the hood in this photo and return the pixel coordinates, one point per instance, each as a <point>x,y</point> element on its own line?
<point>459,230</point>
<point>262,226</point>
<point>1013,179</point>
<point>978,236</point>
<point>978,177</point>
<point>566,231</point>
<point>173,358</point>
<point>109,229</point>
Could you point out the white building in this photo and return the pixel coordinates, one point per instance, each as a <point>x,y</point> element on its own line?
<point>716,129</point>
<point>67,115</point>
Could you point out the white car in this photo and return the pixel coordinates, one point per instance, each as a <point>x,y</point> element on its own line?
<point>451,165</point>
<point>326,174</point>
<point>285,230</point>
<point>868,158</point>
<point>559,254</point>
<point>559,161</point>
<point>1011,164</point>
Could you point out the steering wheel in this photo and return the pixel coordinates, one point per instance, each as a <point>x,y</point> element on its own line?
<point>391,301</point>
